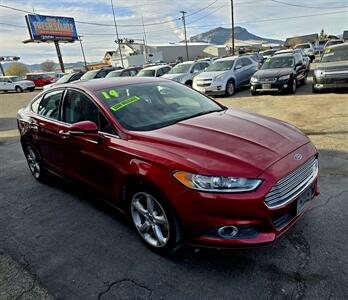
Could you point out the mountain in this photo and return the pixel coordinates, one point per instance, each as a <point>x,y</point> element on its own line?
<point>220,36</point>
<point>37,67</point>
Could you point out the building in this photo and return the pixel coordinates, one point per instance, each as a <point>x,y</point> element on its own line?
<point>137,54</point>
<point>345,35</point>
<point>293,41</point>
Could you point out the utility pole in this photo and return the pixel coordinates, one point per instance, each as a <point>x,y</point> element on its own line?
<point>59,54</point>
<point>232,19</point>
<point>83,53</point>
<point>145,42</point>
<point>183,20</point>
<point>116,31</point>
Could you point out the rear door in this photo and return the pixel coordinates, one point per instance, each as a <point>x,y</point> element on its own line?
<point>249,68</point>
<point>46,126</point>
<point>238,72</point>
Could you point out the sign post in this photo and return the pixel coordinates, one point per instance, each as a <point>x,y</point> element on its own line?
<point>59,54</point>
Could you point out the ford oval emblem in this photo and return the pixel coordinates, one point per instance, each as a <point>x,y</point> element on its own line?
<point>298,156</point>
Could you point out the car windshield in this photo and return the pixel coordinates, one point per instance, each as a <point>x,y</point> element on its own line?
<point>277,62</point>
<point>149,106</point>
<point>269,52</point>
<point>303,46</point>
<point>14,79</point>
<point>65,78</point>
<point>334,43</point>
<point>114,74</point>
<point>89,75</point>
<point>146,73</point>
<point>331,55</point>
<point>222,65</point>
<point>180,68</point>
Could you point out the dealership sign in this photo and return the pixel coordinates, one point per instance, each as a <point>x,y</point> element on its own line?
<point>51,28</point>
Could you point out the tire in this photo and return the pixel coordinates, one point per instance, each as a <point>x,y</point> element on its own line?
<point>293,87</point>
<point>304,80</point>
<point>230,88</point>
<point>31,89</point>
<point>18,89</point>
<point>35,164</point>
<point>188,83</point>
<point>254,93</point>
<point>314,90</point>
<point>153,220</point>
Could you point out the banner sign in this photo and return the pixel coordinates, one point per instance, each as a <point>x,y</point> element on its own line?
<point>51,28</point>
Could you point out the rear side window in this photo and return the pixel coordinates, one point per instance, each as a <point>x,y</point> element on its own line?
<point>125,74</point>
<point>246,62</point>
<point>49,105</point>
<point>101,74</point>
<point>159,72</point>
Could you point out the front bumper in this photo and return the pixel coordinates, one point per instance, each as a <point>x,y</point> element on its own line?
<point>278,86</point>
<point>211,89</point>
<point>202,214</point>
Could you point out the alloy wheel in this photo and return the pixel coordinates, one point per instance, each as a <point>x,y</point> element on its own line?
<point>33,162</point>
<point>150,219</point>
<point>230,88</point>
<point>294,86</point>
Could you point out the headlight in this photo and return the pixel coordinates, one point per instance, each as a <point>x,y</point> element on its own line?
<point>254,80</point>
<point>218,184</point>
<point>286,77</point>
<point>319,73</point>
<point>219,78</point>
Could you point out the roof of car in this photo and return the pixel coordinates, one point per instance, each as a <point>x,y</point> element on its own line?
<point>156,67</point>
<point>284,55</point>
<point>339,46</point>
<point>108,83</point>
<point>227,58</point>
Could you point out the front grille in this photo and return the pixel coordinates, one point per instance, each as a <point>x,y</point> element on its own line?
<point>293,184</point>
<point>268,80</point>
<point>203,84</point>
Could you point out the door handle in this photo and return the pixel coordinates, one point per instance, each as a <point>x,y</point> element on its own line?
<point>64,134</point>
<point>33,126</point>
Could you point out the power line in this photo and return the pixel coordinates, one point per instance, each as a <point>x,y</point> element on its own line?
<point>306,6</point>
<point>204,8</point>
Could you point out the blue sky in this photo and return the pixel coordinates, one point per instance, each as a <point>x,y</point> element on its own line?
<point>267,18</point>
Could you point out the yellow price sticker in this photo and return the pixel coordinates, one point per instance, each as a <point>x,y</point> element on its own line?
<point>111,93</point>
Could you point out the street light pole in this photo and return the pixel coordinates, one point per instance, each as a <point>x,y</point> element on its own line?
<point>232,20</point>
<point>183,20</point>
<point>116,31</point>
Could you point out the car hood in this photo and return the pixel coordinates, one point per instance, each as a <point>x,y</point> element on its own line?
<point>333,66</point>
<point>273,72</point>
<point>228,143</point>
<point>173,76</point>
<point>209,74</point>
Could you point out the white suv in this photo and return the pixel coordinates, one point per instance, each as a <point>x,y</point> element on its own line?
<point>308,48</point>
<point>15,83</point>
<point>186,71</point>
<point>225,75</point>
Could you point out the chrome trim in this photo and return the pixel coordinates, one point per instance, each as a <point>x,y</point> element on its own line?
<point>291,186</point>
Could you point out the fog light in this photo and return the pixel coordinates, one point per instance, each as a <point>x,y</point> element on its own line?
<point>228,232</point>
<point>219,88</point>
<point>285,86</point>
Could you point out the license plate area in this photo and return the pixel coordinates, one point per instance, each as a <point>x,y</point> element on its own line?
<point>266,86</point>
<point>303,201</point>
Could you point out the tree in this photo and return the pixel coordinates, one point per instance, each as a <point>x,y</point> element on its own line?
<point>48,65</point>
<point>16,69</point>
<point>322,34</point>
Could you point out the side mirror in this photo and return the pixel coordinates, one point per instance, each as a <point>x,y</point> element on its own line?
<point>84,128</point>
<point>9,81</point>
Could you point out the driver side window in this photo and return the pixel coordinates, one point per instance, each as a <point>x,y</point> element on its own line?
<point>77,107</point>
<point>238,64</point>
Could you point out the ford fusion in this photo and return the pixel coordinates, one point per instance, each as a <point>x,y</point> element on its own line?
<point>280,73</point>
<point>184,168</point>
<point>332,71</point>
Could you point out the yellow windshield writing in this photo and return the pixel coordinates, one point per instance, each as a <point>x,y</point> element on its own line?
<point>124,103</point>
<point>111,93</point>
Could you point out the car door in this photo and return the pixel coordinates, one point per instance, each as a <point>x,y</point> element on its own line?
<point>88,160</point>
<point>300,69</point>
<point>238,72</point>
<point>45,126</point>
<point>249,68</point>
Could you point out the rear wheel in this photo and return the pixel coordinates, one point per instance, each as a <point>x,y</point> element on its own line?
<point>188,83</point>
<point>34,163</point>
<point>230,88</point>
<point>18,89</point>
<point>153,220</point>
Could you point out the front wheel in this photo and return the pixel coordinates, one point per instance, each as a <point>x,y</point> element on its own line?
<point>154,221</point>
<point>293,87</point>
<point>18,89</point>
<point>304,80</point>
<point>230,88</point>
<point>253,93</point>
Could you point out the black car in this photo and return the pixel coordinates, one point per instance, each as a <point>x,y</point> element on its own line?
<point>332,70</point>
<point>100,73</point>
<point>283,72</point>
<point>129,72</point>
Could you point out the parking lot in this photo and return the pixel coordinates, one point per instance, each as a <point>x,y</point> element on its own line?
<point>68,244</point>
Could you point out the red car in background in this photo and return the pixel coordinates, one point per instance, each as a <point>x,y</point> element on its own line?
<point>40,79</point>
<point>183,167</point>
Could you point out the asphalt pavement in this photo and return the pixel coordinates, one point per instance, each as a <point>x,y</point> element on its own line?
<point>68,244</point>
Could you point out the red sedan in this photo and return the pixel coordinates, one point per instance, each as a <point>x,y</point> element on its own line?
<point>183,167</point>
<point>40,80</point>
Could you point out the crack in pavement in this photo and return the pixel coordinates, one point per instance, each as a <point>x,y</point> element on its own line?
<point>326,202</point>
<point>301,245</point>
<point>114,283</point>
